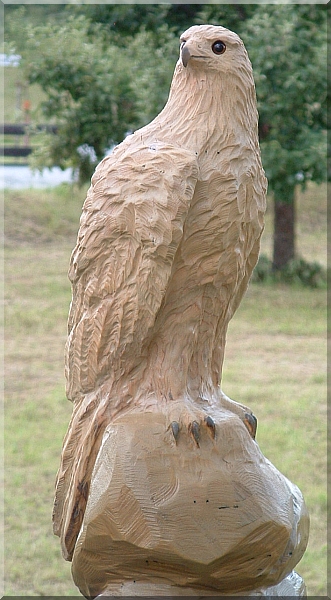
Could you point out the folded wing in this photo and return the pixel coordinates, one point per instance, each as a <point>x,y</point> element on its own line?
<point>131,226</point>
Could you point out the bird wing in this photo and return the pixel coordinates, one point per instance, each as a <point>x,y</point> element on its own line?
<point>131,226</point>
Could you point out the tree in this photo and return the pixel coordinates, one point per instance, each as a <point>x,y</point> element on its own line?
<point>87,91</point>
<point>126,20</point>
<point>106,70</point>
<point>17,17</point>
<point>231,16</point>
<point>96,91</point>
<point>287,46</point>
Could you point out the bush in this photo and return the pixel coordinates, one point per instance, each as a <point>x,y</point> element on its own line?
<point>300,271</point>
<point>296,271</point>
<point>263,270</point>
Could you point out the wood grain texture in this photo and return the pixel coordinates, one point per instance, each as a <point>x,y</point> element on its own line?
<point>215,517</point>
<point>169,235</point>
<point>291,586</point>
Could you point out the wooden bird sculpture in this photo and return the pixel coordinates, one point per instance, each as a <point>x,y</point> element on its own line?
<point>169,236</point>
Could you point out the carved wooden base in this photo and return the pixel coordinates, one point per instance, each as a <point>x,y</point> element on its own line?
<point>292,586</point>
<point>167,513</point>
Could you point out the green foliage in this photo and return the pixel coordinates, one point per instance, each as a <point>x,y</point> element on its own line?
<point>18,16</point>
<point>296,271</point>
<point>263,270</point>
<point>96,92</point>
<point>126,20</point>
<point>106,70</point>
<point>152,69</point>
<point>299,270</point>
<point>232,16</point>
<point>87,89</point>
<point>287,46</point>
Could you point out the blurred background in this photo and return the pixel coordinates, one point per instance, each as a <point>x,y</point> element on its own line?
<point>78,78</point>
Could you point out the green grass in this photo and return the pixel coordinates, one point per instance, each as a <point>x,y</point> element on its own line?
<point>275,363</point>
<point>311,225</point>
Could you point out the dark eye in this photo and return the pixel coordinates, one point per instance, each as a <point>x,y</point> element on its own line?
<point>182,43</point>
<point>218,47</point>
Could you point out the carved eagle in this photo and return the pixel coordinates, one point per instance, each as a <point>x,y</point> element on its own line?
<point>169,235</point>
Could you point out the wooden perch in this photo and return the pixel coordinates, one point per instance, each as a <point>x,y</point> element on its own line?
<point>217,517</point>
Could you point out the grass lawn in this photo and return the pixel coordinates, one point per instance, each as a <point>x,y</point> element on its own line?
<point>275,363</point>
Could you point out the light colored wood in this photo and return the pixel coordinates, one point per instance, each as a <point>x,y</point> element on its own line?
<point>215,517</point>
<point>169,235</point>
<point>291,586</point>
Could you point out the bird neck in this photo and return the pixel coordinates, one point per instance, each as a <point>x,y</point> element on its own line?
<point>207,109</point>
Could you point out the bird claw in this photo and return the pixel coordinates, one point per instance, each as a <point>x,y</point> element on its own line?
<point>249,420</point>
<point>175,429</point>
<point>211,426</point>
<point>194,429</point>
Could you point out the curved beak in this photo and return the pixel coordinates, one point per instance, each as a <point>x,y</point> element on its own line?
<point>185,55</point>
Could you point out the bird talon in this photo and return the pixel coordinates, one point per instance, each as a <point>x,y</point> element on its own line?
<point>251,423</point>
<point>211,426</point>
<point>175,429</point>
<point>194,429</point>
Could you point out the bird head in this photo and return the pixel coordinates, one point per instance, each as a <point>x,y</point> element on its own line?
<point>210,47</point>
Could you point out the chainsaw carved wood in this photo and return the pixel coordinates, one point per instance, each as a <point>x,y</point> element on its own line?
<point>162,488</point>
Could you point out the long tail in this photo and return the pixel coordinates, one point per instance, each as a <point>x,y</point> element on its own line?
<point>80,448</point>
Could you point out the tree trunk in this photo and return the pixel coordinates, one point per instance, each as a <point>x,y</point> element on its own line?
<point>284,232</point>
